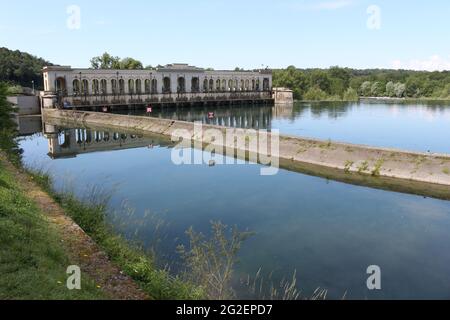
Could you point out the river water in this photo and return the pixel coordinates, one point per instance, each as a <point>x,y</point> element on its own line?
<point>419,126</point>
<point>327,232</point>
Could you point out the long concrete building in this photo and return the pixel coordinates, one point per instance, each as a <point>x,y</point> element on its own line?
<point>171,84</point>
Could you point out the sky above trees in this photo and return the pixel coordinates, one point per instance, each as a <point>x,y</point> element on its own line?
<point>224,34</point>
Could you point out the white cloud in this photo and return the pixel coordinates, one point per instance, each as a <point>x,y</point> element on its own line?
<point>433,63</point>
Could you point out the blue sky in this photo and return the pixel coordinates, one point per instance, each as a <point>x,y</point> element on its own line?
<point>225,34</point>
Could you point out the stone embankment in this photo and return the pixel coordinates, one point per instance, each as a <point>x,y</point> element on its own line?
<point>351,159</point>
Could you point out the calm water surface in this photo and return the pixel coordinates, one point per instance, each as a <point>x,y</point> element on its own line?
<point>420,127</point>
<point>329,232</point>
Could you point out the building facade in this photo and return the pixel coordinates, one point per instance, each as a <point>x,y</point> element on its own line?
<point>174,83</point>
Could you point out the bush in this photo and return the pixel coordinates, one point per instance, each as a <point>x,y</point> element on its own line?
<point>315,94</point>
<point>351,95</point>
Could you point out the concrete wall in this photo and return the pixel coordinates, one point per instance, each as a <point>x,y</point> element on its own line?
<point>283,96</point>
<point>27,105</point>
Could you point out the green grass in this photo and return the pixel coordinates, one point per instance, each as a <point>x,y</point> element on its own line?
<point>33,262</point>
<point>90,214</point>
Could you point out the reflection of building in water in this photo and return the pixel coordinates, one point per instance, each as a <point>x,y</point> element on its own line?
<point>249,117</point>
<point>29,125</point>
<point>66,143</point>
<point>283,111</point>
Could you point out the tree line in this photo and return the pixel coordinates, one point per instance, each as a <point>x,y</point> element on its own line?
<point>21,68</point>
<point>338,83</point>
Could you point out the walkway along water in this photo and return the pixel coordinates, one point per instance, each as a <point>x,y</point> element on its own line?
<point>398,170</point>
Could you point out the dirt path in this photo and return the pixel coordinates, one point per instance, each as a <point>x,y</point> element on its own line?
<point>82,250</point>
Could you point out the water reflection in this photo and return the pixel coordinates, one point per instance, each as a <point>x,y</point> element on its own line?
<point>248,116</point>
<point>407,125</point>
<point>70,142</point>
<point>328,231</point>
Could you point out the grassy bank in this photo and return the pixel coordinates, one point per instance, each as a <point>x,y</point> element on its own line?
<point>34,257</point>
<point>139,265</point>
<point>33,261</point>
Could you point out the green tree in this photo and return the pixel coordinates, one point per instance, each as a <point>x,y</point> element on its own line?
<point>366,88</point>
<point>131,64</point>
<point>8,127</point>
<point>21,68</point>
<point>399,89</point>
<point>350,95</point>
<point>377,89</point>
<point>321,80</point>
<point>390,89</point>
<point>342,74</point>
<point>105,61</point>
<point>316,94</point>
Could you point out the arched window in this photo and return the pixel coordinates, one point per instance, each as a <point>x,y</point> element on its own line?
<point>195,84</point>
<point>230,85</point>
<point>205,85</point>
<point>138,86</point>
<point>95,87</point>
<point>257,85</point>
<point>61,85</point>
<point>242,85</point>
<point>166,85</point>
<point>253,85</point>
<point>154,86</point>
<point>131,86</point>
<point>103,87</point>
<point>247,84</point>
<point>224,85</point>
<point>147,86</point>
<point>211,85</point>
<point>85,87</point>
<point>218,84</point>
<point>121,86</point>
<point>76,87</point>
<point>181,84</point>
<point>114,86</point>
<point>266,84</point>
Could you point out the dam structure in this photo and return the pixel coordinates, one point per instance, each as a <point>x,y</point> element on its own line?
<point>173,84</point>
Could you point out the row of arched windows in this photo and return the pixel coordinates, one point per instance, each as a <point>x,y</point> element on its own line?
<point>100,87</point>
<point>88,136</point>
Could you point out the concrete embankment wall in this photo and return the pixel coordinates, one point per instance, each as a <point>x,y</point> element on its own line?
<point>26,105</point>
<point>348,158</point>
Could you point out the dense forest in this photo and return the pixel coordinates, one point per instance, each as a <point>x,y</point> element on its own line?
<point>20,68</point>
<point>338,83</point>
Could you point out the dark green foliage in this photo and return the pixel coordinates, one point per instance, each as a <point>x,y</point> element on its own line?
<point>333,83</point>
<point>107,61</point>
<point>8,128</point>
<point>21,68</point>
